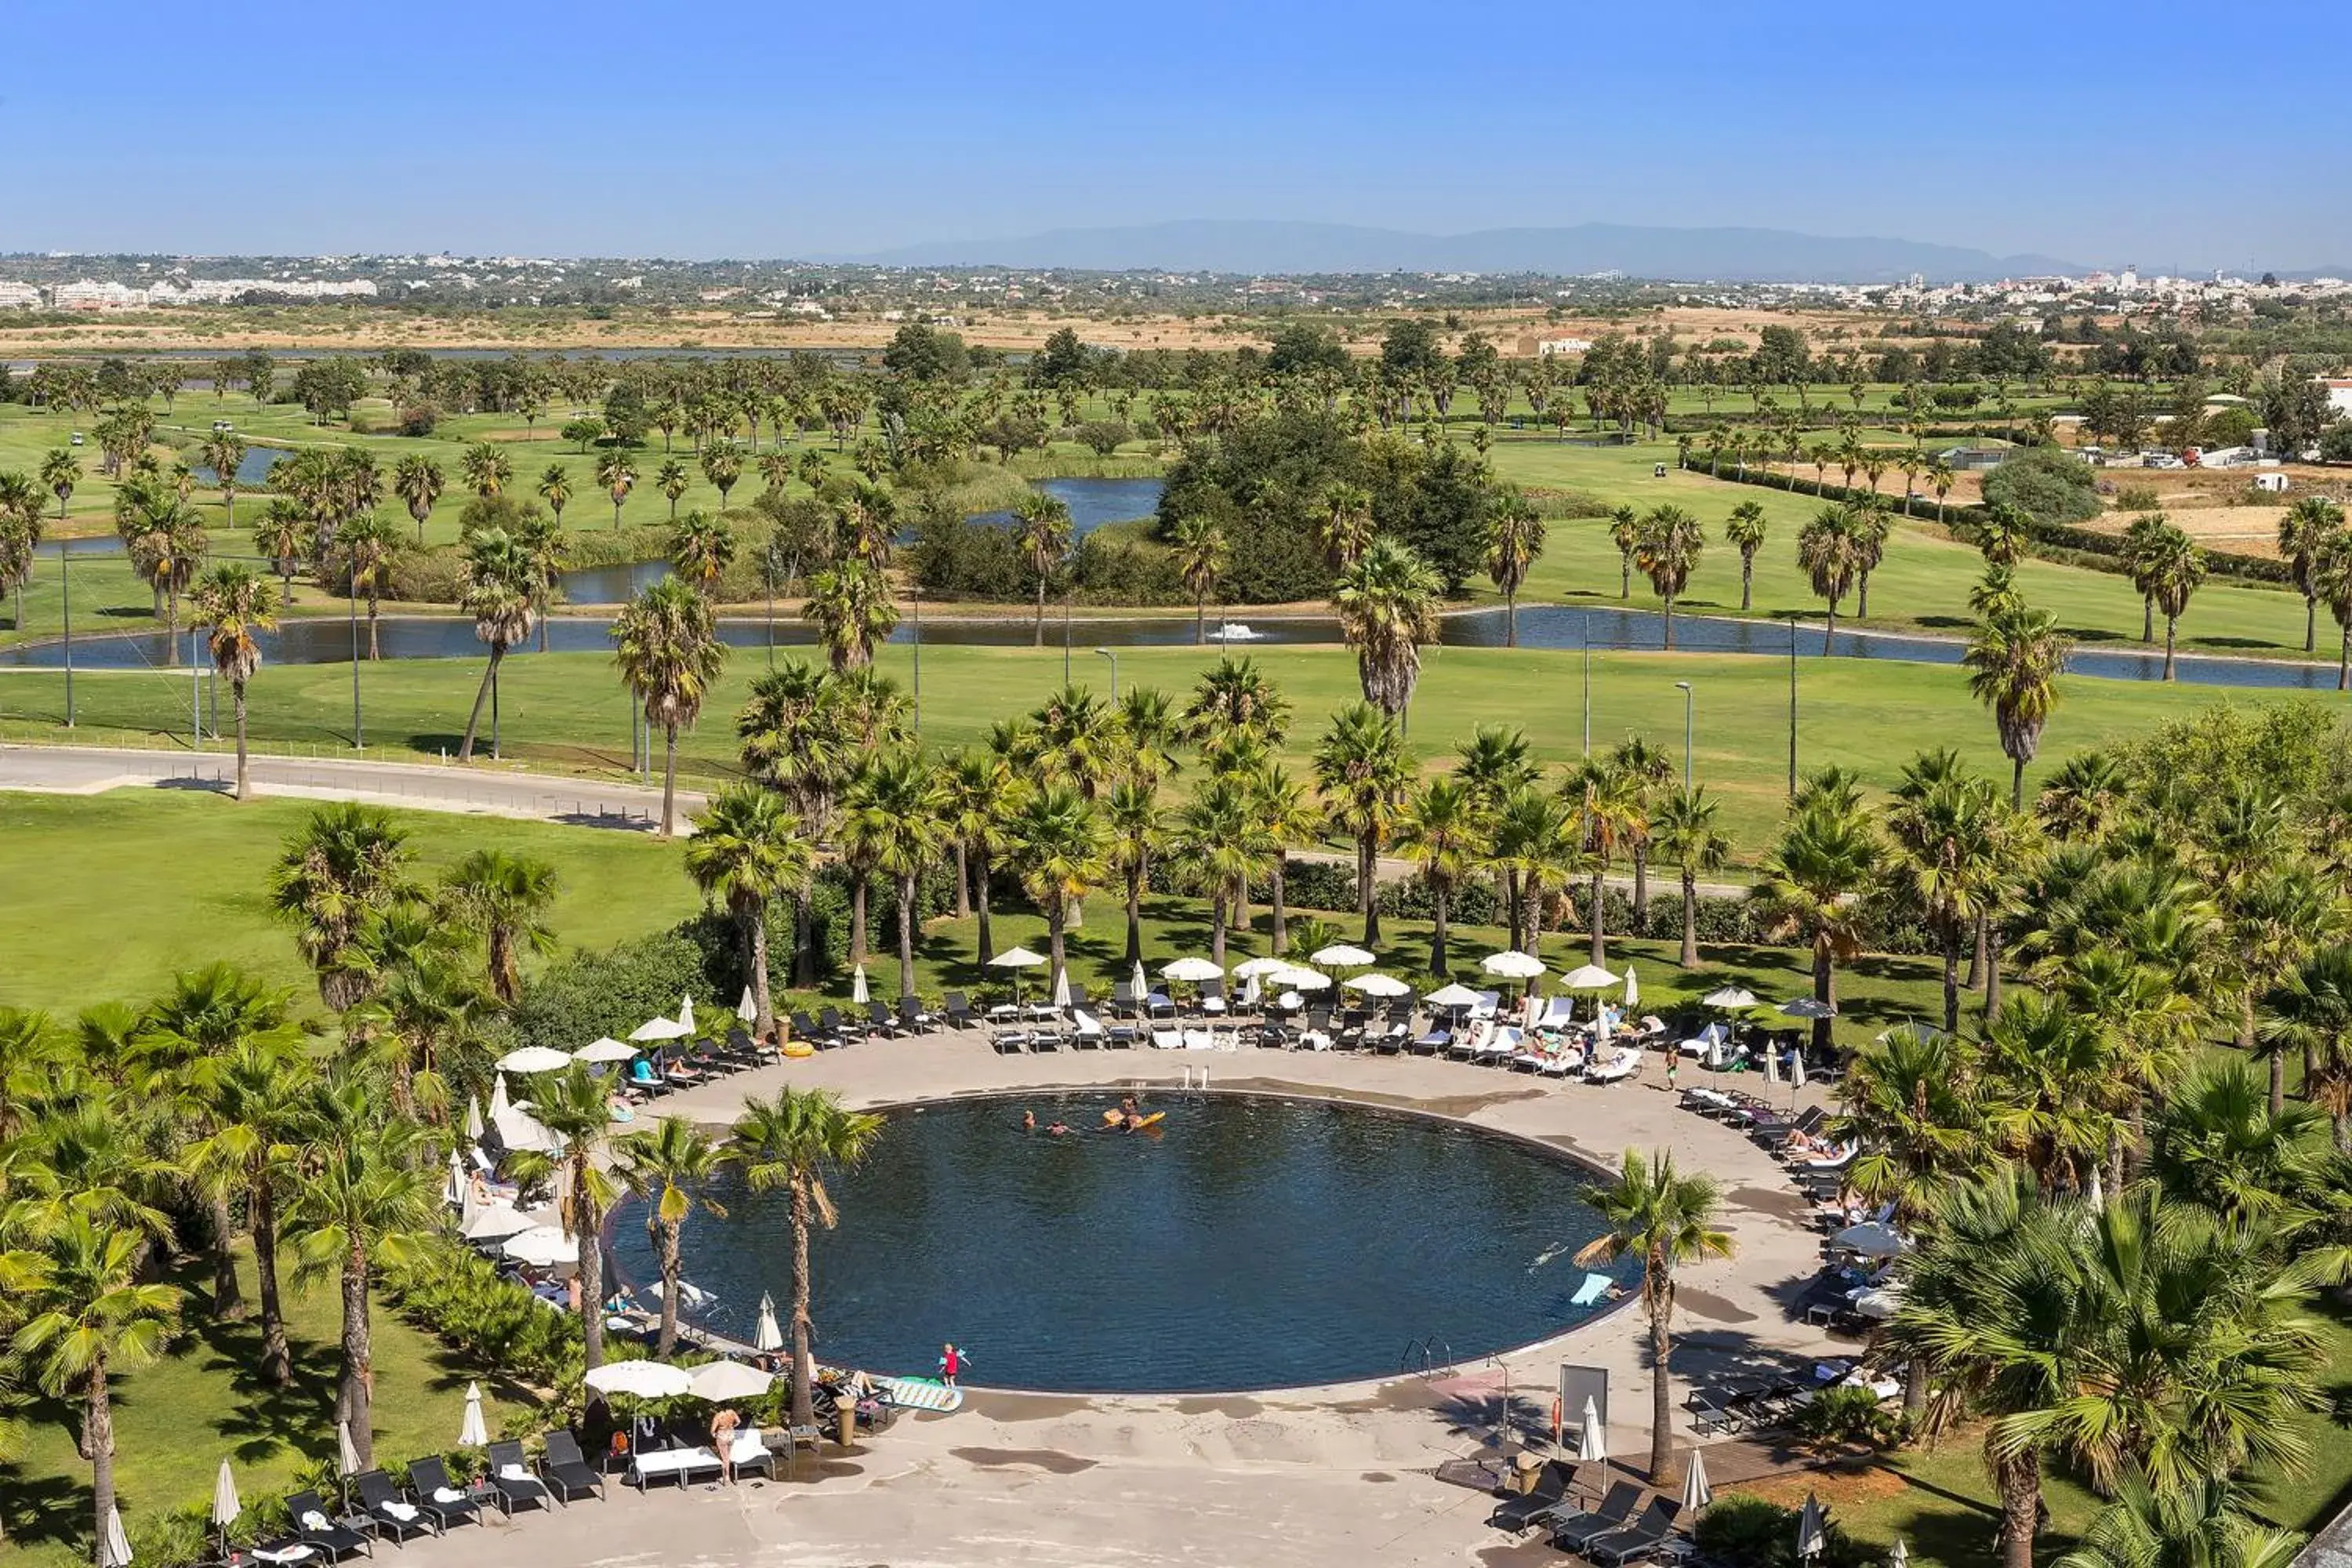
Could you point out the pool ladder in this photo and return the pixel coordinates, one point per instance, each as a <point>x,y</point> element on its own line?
<point>1428,1357</point>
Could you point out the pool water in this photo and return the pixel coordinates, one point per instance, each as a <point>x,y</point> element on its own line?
<point>1250,1243</point>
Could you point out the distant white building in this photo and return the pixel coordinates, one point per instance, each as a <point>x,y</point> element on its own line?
<point>2339,396</point>
<point>1547,347</point>
<point>20,296</point>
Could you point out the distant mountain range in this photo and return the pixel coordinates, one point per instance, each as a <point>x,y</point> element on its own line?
<point>1271,245</point>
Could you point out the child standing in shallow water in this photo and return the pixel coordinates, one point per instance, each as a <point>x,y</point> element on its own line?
<point>950,1364</point>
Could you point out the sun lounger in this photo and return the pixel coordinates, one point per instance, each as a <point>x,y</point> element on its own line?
<point>391,1513</point>
<point>749,1452</point>
<point>1616,1069</point>
<point>1595,1286</point>
<point>1498,1047</point>
<point>681,1465</point>
<point>958,1010</point>
<point>565,1469</point>
<point>1167,1039</point>
<point>1636,1541</point>
<point>1519,1513</point>
<point>512,1479</point>
<point>1008,1042</point>
<point>314,1528</point>
<point>1487,1004</point>
<point>1088,1033</point>
<point>913,1019</point>
<point>1433,1043</point>
<point>1569,1531</point>
<point>428,1483</point>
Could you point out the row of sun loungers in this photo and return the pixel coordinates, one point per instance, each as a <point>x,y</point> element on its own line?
<point>1619,1529</point>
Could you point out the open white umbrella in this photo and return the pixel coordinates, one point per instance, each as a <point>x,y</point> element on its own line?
<point>530,1059</point>
<point>719,1381</point>
<point>607,1049</point>
<point>661,1030</point>
<point>1729,997</point>
<point>473,1118</point>
<point>543,1246</point>
<point>1455,995</point>
<point>492,1222</point>
<point>1633,989</point>
<point>748,1009</point>
<point>225,1506</point>
<point>1192,969</point>
<point>1512,965</point>
<point>1016,958</point>
<point>1807,1008</point>
<point>1377,984</point>
<point>1302,980</point>
<point>1697,1493</point>
<point>767,1336</point>
<point>1813,1526</point>
<point>1259,968</point>
<point>1592,1442</point>
<point>640,1379</point>
<point>473,1431</point>
<point>1879,1304</point>
<point>1871,1238</point>
<point>858,994</point>
<point>1588,977</point>
<point>1339,955</point>
<point>347,1453</point>
<point>114,1551</point>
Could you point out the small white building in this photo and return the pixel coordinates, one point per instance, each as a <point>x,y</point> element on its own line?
<point>2271,480</point>
<point>1547,347</point>
<point>2339,397</point>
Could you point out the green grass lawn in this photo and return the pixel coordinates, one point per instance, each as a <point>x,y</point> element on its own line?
<point>176,1420</point>
<point>113,894</point>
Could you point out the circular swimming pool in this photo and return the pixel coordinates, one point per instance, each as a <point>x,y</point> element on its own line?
<point>1243,1243</point>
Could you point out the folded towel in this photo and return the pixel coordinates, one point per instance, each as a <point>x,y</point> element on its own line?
<point>513,1473</point>
<point>289,1554</point>
<point>313,1519</point>
<point>403,1511</point>
<point>447,1494</point>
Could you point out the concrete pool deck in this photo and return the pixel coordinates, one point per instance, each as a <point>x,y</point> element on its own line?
<point>1303,1475</point>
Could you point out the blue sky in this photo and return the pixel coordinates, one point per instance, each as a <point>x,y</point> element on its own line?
<point>2099,131</point>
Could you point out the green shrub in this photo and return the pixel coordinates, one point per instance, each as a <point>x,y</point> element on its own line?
<point>2138,497</point>
<point>1846,1415</point>
<point>1750,1532</point>
<point>2047,484</point>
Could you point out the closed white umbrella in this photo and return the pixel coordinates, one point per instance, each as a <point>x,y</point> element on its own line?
<point>500,1106</point>
<point>1633,989</point>
<point>1193,970</point>
<point>1697,1493</point>
<point>1592,1442</point>
<point>1899,1556</point>
<point>1456,995</point>
<point>1730,998</point>
<point>1138,983</point>
<point>1797,1068</point>
<point>225,1506</point>
<point>530,1059</point>
<point>1512,965</point>
<point>1339,955</point>
<point>1588,977</point>
<point>857,992</point>
<point>1377,984</point>
<point>767,1336</point>
<point>1062,986</point>
<point>746,1010</point>
<point>685,1012</point>
<point>458,1186</point>
<point>473,1431</point>
<point>640,1379</point>
<point>607,1049</point>
<point>114,1551</point>
<point>473,1118</point>
<point>1772,1063</point>
<point>543,1246</point>
<point>1811,1529</point>
<point>1250,992</point>
<point>719,1381</point>
<point>347,1453</point>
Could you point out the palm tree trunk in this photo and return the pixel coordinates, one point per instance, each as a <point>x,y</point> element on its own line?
<point>1200,620</point>
<point>1367,895</point>
<point>1599,921</point>
<point>589,1235</point>
<point>2170,622</point>
<point>1037,638</point>
<point>1992,968</point>
<point>980,898</point>
<point>856,917</point>
<point>670,778</point>
<point>1824,991</point>
<point>1670,622</point>
<point>98,1438</point>
<point>277,1358</point>
<point>1952,979</point>
<point>763,1006</point>
<point>2146,618</point>
<point>1134,953</point>
<point>1437,927</point>
<point>1217,928</point>
<point>1057,918</point>
<point>2344,660</point>
<point>907,934</point>
<point>243,783</point>
<point>804,948</point>
<point>481,694</point>
<point>1690,917</point>
<point>1861,597</point>
<point>1511,618</point>
<point>1276,911</point>
<point>668,1340</point>
<point>2019,1481</point>
<point>962,881</point>
<point>356,1392</point>
<point>2310,623</point>
<point>1641,891</point>
<point>1747,582</point>
<point>228,1304</point>
<point>804,1398</point>
<point>1664,1472</point>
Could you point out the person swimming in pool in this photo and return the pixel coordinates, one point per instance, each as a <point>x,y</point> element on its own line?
<point>1028,1121</point>
<point>1058,1130</point>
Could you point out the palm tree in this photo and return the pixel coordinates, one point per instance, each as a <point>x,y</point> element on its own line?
<point>2013,663</point>
<point>1684,829</point>
<point>2046,1067</point>
<point>894,821</point>
<point>232,603</point>
<point>2332,577</point>
<point>574,1106</point>
<point>364,1195</point>
<point>418,481</point>
<point>2196,1525</point>
<point>2174,565</point>
<point>371,544</point>
<point>1948,851</point>
<point>702,548</point>
<point>348,862</point>
<point>980,786</point>
<point>1871,528</point>
<point>1234,696</point>
<point>1198,545</point>
<point>749,850</point>
<point>93,1316</point>
<point>223,451</point>
<point>793,1142</point>
<point>1131,810</point>
<point>1746,531</point>
<point>2310,1013</point>
<point>2218,1143</point>
<point>616,474</point>
<point>502,588</point>
<point>1665,1218</point>
<point>1387,602</point>
<point>1515,538</point>
<point>1813,885</point>
<point>488,469</point>
<point>1219,835</point>
<point>672,480</point>
<point>2143,539</point>
<point>60,472</point>
<point>1830,553</point>
<point>1344,527</point>
<point>852,609</point>
<point>1363,769</point>
<point>255,1095</point>
<point>555,489</point>
<point>1439,830</point>
<point>1060,849</point>
<point>722,465</point>
<point>669,1169</point>
<point>1288,811</point>
<point>165,540</point>
<point>666,645</point>
<point>1042,533</point>
<point>1667,549</point>
<point>505,897</point>
<point>2303,531</point>
<point>1941,479</point>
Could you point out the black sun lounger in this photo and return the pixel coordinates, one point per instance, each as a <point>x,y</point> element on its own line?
<point>565,1469</point>
<point>512,1479</point>
<point>382,1501</point>
<point>313,1526</point>
<point>1571,1531</point>
<point>1636,1541</point>
<point>430,1484</point>
<point>1517,1513</point>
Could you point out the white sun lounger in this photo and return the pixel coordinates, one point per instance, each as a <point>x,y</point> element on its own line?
<point>679,1464</point>
<point>1623,1064</point>
<point>1167,1040</point>
<point>1499,1047</point>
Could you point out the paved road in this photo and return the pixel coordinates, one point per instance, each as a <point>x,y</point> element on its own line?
<point>484,790</point>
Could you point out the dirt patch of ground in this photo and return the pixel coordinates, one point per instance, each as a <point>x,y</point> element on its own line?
<point>1046,1459</point>
<point>1872,1484</point>
<point>1025,1406</point>
<point>1236,1409</point>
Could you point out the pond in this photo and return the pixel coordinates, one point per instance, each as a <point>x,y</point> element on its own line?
<point>1243,1243</point>
<point>252,470</point>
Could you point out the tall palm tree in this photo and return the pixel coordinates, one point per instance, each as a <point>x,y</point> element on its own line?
<point>2193,1525</point>
<point>2310,1013</point>
<point>257,1094</point>
<point>364,1195</point>
<point>1363,769</point>
<point>2013,663</point>
<point>1344,525</point>
<point>223,452</point>
<point>348,862</point>
<point>1287,810</point>
<point>1387,602</point>
<point>894,819</point>
<point>1941,479</point>
<point>574,1106</point>
<point>554,487</point>
<point>979,786</point>
<point>1198,545</point>
<point>1131,812</point>
<point>1871,528</point>
<point>505,897</point>
<point>617,475</point>
<point>283,533</point>
<point>1813,885</point>
<point>1236,696</point>
<point>2303,528</point>
<point>1219,835</point>
<point>61,472</point>
<point>165,540</point>
<point>669,1169</point>
<point>548,548</point>
<point>1666,549</point>
<point>93,1315</point>
<point>232,603</point>
<point>666,645</point>
<point>502,588</point>
<point>1515,538</point>
<point>1948,849</point>
<point>850,605</point>
<point>2045,1065</point>
<point>487,467</point>
<point>1624,532</point>
<point>371,544</point>
<point>1830,554</point>
<point>417,480</point>
<point>793,1143</point>
<point>2143,542</point>
<point>722,465</point>
<point>1684,829</point>
<point>1439,830</point>
<point>2175,566</point>
<point>749,850</point>
<point>1060,849</point>
<point>1041,531</point>
<point>702,547</point>
<point>672,480</point>
<point>2332,578</point>
<point>1665,1218</point>
<point>1746,531</point>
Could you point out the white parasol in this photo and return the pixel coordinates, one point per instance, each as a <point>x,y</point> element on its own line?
<point>225,1507</point>
<point>347,1453</point>
<point>1251,994</point>
<point>640,1379</point>
<point>1016,958</point>
<point>1729,997</point>
<point>607,1049</point>
<point>473,1431</point>
<point>1377,985</point>
<point>748,1009</point>
<point>1138,983</point>
<point>114,1551</point>
<point>1588,977</point>
<point>1633,989</point>
<point>1302,980</point>
<point>767,1336</point>
<point>1872,1239</point>
<point>858,994</point>
<point>1591,1443</point>
<point>1454,996</point>
<point>1811,1530</point>
<point>1062,986</point>
<point>543,1246</point>
<point>1797,1068</point>
<point>1512,965</point>
<point>660,1029</point>
<point>1696,1493</point>
<point>458,1186</point>
<point>530,1059</point>
<point>719,1381</point>
<point>1339,955</point>
<point>685,1012</point>
<point>473,1120</point>
<point>1772,1063</point>
<point>1193,970</point>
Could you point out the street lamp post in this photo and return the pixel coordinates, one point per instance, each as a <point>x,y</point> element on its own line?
<point>65,587</point>
<point>917,595</point>
<point>1688,698</point>
<point>1065,640</point>
<point>359,735</point>
<point>1584,628</point>
<point>1792,708</point>
<point>1113,671</point>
